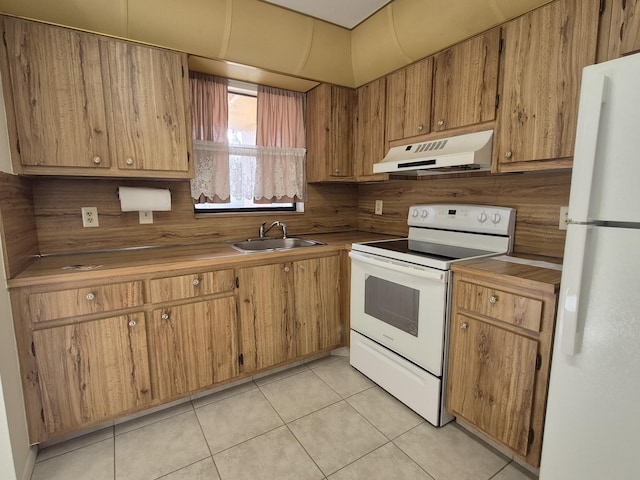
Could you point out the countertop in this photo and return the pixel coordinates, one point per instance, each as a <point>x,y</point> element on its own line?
<point>51,269</point>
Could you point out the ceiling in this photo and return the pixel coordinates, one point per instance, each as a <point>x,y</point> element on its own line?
<point>260,42</point>
<point>344,13</point>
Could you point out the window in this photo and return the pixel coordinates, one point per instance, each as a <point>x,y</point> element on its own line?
<point>243,155</point>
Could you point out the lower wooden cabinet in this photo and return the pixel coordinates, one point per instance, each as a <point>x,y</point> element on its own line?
<point>500,351</point>
<point>91,352</point>
<point>289,310</point>
<point>193,346</point>
<point>91,371</point>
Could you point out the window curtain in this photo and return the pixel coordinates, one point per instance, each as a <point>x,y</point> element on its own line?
<point>280,160</point>
<point>209,120</point>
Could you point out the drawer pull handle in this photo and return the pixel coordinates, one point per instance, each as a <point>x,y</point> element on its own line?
<point>97,160</point>
<point>165,316</point>
<point>129,161</point>
<point>464,325</point>
<point>90,296</point>
<point>493,299</point>
<point>132,323</point>
<point>196,282</point>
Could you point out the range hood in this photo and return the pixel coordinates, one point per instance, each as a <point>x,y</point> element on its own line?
<point>469,152</point>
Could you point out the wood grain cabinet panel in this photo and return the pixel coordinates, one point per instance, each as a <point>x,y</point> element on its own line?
<point>89,372</point>
<point>624,30</point>
<point>86,104</point>
<point>517,310</point>
<point>84,301</point>
<point>329,124</point>
<point>491,380</point>
<point>369,145</point>
<point>193,346</point>
<point>191,285</point>
<point>317,305</point>
<point>544,53</point>
<point>500,353</point>
<point>57,83</point>
<point>266,321</point>
<point>408,109</point>
<point>465,82</point>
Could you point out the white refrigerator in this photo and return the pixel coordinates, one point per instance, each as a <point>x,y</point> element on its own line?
<point>592,427</point>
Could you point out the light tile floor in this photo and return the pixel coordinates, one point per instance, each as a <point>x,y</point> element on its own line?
<point>320,420</point>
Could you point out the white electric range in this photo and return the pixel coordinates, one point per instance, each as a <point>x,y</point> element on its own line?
<point>400,298</point>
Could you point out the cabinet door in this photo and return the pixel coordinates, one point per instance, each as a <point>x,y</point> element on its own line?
<point>193,346</point>
<point>92,371</point>
<point>317,304</point>
<point>408,111</point>
<point>266,323</point>
<point>330,112</point>
<point>544,54</point>
<point>57,86</point>
<point>465,82</point>
<point>491,380</point>
<point>369,130</point>
<point>148,96</point>
<point>624,35</point>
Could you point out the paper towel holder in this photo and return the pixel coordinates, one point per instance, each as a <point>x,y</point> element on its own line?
<point>145,201</point>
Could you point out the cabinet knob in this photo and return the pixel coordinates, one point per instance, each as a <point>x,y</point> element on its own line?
<point>196,282</point>
<point>508,154</point>
<point>129,161</point>
<point>464,325</point>
<point>132,323</point>
<point>165,316</point>
<point>301,267</point>
<point>492,299</point>
<point>337,171</point>
<point>441,123</point>
<point>286,269</point>
<point>97,160</point>
<point>420,127</point>
<point>90,296</point>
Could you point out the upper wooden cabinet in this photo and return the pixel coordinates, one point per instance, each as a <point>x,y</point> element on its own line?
<point>465,82</point>
<point>369,147</point>
<point>620,31</point>
<point>409,100</point>
<point>83,104</point>
<point>330,111</point>
<point>544,53</point>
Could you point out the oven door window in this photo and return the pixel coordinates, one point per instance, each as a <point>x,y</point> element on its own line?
<point>394,304</point>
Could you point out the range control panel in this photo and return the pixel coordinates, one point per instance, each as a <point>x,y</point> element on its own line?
<point>463,218</point>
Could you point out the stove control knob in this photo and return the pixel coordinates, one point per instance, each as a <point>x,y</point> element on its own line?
<point>482,217</point>
<point>496,217</point>
<point>414,213</point>
<point>424,214</point>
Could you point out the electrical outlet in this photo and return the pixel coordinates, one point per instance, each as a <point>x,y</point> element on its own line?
<point>564,218</point>
<point>90,217</point>
<point>146,216</point>
<point>378,210</point>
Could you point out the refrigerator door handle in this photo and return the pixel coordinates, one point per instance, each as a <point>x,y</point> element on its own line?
<point>592,98</point>
<point>574,258</point>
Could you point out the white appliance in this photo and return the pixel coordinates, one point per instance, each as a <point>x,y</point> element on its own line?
<point>400,294</point>
<point>592,423</point>
<point>471,151</point>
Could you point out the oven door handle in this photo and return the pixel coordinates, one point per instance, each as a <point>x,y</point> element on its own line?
<point>407,269</point>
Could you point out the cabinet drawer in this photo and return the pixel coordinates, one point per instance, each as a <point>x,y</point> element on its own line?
<point>507,307</point>
<point>83,301</point>
<point>192,285</point>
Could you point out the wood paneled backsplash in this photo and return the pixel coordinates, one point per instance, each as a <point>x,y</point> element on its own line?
<point>537,198</point>
<point>330,208</point>
<point>17,223</point>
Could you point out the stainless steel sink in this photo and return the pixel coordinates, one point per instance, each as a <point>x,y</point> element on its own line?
<point>272,244</point>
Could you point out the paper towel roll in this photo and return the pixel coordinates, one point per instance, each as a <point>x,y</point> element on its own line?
<point>144,199</point>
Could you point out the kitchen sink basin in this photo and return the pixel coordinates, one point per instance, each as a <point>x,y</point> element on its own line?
<point>272,244</point>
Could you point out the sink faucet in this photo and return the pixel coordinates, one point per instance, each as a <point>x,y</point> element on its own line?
<point>264,231</point>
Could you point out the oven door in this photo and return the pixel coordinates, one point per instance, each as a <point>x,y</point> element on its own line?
<point>402,306</point>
